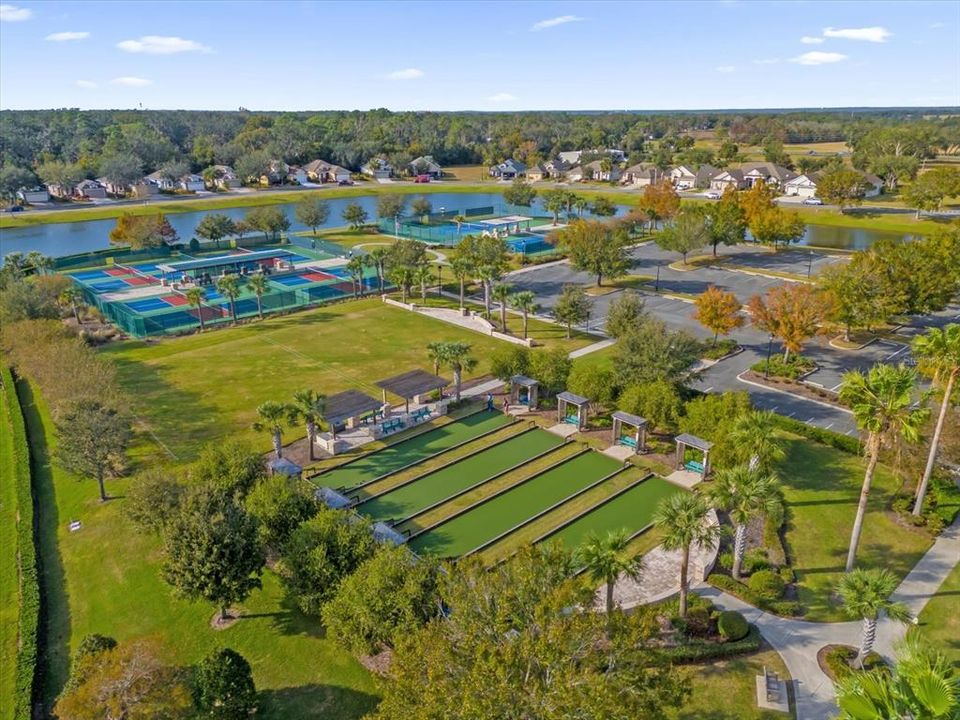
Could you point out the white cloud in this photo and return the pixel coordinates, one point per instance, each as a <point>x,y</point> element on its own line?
<point>162,45</point>
<point>874,34</point>
<point>502,98</point>
<point>766,61</point>
<point>86,84</point>
<point>130,81</point>
<point>818,58</point>
<point>810,40</point>
<point>726,68</point>
<point>553,22</point>
<point>406,74</point>
<point>12,13</point>
<point>65,36</point>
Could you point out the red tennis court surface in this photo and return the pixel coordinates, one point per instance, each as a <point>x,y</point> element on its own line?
<point>176,299</point>
<point>137,280</point>
<point>319,276</point>
<point>117,272</point>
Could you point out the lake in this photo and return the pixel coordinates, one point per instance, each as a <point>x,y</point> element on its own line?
<point>58,239</point>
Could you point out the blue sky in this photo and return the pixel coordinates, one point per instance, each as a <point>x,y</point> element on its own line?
<point>478,55</point>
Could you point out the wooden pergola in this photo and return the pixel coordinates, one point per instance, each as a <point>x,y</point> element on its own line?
<point>412,386</point>
<point>347,408</point>
<point>524,391</point>
<point>638,441</point>
<point>685,440</point>
<point>566,399</point>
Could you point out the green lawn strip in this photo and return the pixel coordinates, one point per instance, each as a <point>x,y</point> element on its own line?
<point>726,689</point>
<point>487,521</point>
<point>430,489</point>
<point>435,515</point>
<point>631,510</point>
<point>822,487</point>
<point>195,389</point>
<point>940,619</point>
<point>419,448</point>
<point>92,584</point>
<point>9,573</point>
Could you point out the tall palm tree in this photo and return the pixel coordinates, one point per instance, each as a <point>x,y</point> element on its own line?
<point>271,418</point>
<point>71,297</point>
<point>355,268</point>
<point>581,204</point>
<point>743,493</point>
<point>605,559</point>
<point>754,435</point>
<point>487,275</point>
<point>923,685</point>
<point>403,276</point>
<point>39,262</point>
<point>196,296</point>
<point>525,302</point>
<point>435,351</point>
<point>865,595</point>
<point>501,293</point>
<point>939,354</point>
<point>259,285</point>
<point>424,275</point>
<point>309,406</point>
<point>229,287</point>
<point>456,356</point>
<point>461,269</point>
<point>882,404</point>
<point>378,259</point>
<point>682,518</point>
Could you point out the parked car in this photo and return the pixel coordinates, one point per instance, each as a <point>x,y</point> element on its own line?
<point>345,182</point>
<point>813,201</point>
<point>422,179</point>
<point>14,208</point>
<point>712,195</point>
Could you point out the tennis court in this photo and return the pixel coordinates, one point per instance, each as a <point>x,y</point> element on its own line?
<point>503,513</point>
<point>631,510</point>
<point>429,489</point>
<point>304,278</point>
<point>409,452</point>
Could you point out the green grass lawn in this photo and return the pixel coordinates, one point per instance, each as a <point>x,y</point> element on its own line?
<point>190,390</point>
<point>940,621</point>
<point>9,600</point>
<point>105,579</point>
<point>822,487</point>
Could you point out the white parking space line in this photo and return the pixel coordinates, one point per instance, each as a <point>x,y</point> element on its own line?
<point>836,387</point>
<point>829,426</point>
<point>709,389</point>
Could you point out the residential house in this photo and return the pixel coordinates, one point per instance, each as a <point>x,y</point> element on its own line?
<point>112,187</point>
<point>33,195</point>
<point>61,191</point>
<point>276,173</point>
<point>425,165</point>
<point>536,173</point>
<point>805,185</point>
<point>595,171</point>
<point>91,190</point>
<point>297,175</point>
<point>225,177</point>
<point>749,174</point>
<point>570,157</point>
<point>573,157</point>
<point>728,178</point>
<point>684,177</point>
<point>145,188</point>
<point>705,174</point>
<point>320,171</point>
<point>161,181</point>
<point>191,183</point>
<point>378,169</point>
<point>643,174</point>
<point>508,169</point>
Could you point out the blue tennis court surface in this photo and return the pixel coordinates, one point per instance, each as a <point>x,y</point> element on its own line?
<point>109,286</point>
<point>292,280</point>
<point>148,304</point>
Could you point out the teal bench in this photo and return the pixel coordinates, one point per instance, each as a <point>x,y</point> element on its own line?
<point>628,441</point>
<point>694,466</point>
<point>421,413</point>
<point>572,420</point>
<point>391,425</point>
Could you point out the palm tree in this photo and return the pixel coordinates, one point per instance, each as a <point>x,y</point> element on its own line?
<point>423,274</point>
<point>378,259</point>
<point>487,274</point>
<point>309,406</point>
<point>403,276</point>
<point>882,404</point>
<point>605,560</point>
<point>229,287</point>
<point>435,352</point>
<point>743,493</point>
<point>71,297</point>
<point>196,296</point>
<point>923,685</point>
<point>581,204</point>
<point>459,220</point>
<point>754,436</point>
<point>866,594</point>
<point>259,285</point>
<point>461,269</point>
<point>271,417</point>
<point>525,302</point>
<point>682,518</point>
<point>501,293</point>
<point>355,268</point>
<point>39,262</point>
<point>939,354</point>
<point>456,355</point>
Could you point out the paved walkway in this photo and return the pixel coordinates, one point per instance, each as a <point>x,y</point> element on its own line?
<point>600,345</point>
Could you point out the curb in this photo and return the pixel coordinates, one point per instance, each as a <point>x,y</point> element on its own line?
<point>793,395</point>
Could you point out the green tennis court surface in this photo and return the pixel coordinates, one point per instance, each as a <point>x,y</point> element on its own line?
<point>472,529</point>
<point>632,511</point>
<point>416,449</point>
<point>420,494</point>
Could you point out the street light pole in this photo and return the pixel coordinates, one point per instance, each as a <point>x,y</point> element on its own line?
<point>766,368</point>
<point>656,287</point>
<point>809,264</point>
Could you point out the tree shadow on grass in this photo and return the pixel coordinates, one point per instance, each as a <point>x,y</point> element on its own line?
<point>315,701</point>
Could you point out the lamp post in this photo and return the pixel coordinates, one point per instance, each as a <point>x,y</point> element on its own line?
<point>656,286</point>
<point>810,264</point>
<point>766,368</point>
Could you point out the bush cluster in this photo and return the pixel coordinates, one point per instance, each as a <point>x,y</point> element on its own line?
<point>839,659</point>
<point>845,443</point>
<point>767,585</point>
<point>700,651</point>
<point>29,586</point>
<point>786,608</point>
<point>732,625</point>
<point>793,368</point>
<point>940,506</point>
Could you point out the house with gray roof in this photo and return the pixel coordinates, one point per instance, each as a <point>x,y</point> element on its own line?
<point>508,169</point>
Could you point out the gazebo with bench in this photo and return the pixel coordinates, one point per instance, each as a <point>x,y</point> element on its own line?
<point>564,401</point>
<point>413,385</point>
<point>638,439</point>
<point>685,440</point>
<point>524,391</point>
<point>350,409</point>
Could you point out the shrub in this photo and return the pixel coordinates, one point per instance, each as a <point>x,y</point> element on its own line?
<point>732,625</point>
<point>787,575</point>
<point>755,560</point>
<point>793,368</point>
<point>701,650</point>
<point>766,584</point>
<point>223,686</point>
<point>839,659</point>
<point>698,622</point>
<point>786,608</point>
<point>844,443</point>
<point>772,541</point>
<point>721,349</point>
<point>153,499</point>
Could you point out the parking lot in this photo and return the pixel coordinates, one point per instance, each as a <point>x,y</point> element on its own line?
<point>834,363</point>
<point>806,263</point>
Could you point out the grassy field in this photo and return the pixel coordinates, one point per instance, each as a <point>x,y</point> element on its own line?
<point>191,390</point>
<point>469,173</point>
<point>940,621</point>
<point>822,486</point>
<point>9,601</point>
<point>105,579</point>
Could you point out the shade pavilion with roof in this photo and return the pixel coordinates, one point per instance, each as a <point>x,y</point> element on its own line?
<point>414,385</point>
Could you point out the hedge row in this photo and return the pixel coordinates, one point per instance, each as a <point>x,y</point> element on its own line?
<point>846,443</point>
<point>697,652</point>
<point>29,590</point>
<point>786,608</point>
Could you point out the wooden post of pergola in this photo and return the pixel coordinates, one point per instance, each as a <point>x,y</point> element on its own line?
<point>639,439</point>
<point>564,400</point>
<point>524,391</point>
<point>686,440</point>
